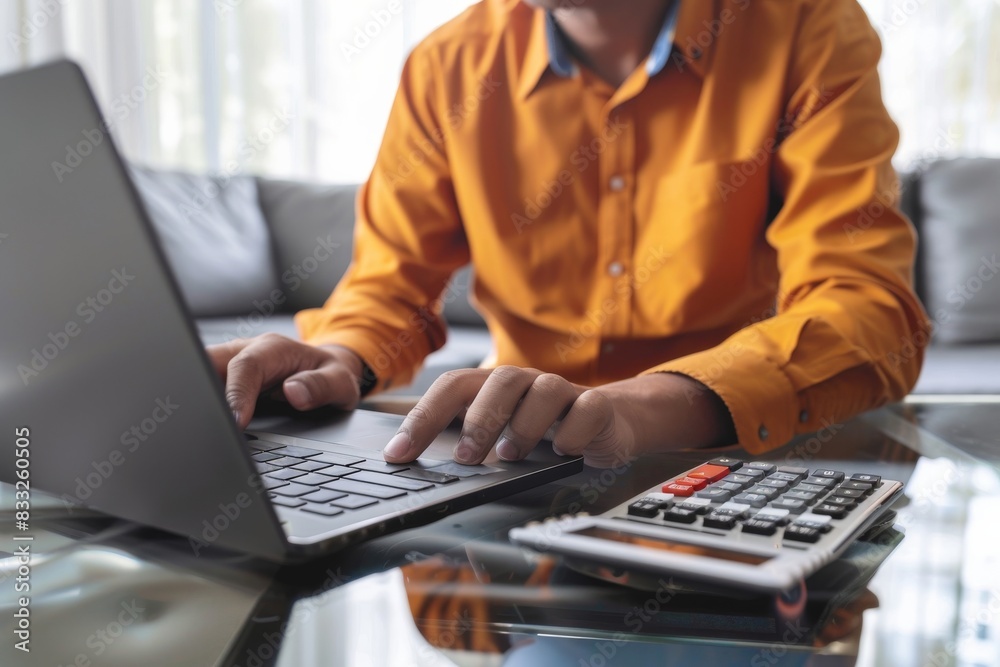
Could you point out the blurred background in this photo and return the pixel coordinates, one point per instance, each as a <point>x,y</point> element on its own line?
<point>302,88</point>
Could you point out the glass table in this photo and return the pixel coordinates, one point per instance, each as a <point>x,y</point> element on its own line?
<point>456,592</point>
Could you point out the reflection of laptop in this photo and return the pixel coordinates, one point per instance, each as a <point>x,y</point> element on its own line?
<point>102,370</point>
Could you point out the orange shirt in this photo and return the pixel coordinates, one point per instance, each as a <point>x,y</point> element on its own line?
<point>730,217</point>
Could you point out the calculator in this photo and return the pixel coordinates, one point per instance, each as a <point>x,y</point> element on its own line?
<point>757,526</point>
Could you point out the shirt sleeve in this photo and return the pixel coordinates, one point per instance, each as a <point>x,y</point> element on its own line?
<point>848,332</point>
<point>408,240</point>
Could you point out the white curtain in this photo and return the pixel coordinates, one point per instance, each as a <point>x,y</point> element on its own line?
<point>302,88</point>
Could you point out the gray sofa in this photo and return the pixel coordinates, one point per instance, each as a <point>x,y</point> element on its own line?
<point>249,252</point>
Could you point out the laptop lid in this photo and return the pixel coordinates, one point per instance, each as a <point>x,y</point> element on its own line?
<point>101,369</point>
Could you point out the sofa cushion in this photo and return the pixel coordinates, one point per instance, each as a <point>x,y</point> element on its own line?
<point>960,258</point>
<point>960,369</point>
<point>312,227</point>
<point>214,236</point>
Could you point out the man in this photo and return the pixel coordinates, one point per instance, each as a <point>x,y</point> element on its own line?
<point>681,218</point>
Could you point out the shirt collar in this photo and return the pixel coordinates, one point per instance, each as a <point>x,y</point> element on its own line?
<point>547,48</point>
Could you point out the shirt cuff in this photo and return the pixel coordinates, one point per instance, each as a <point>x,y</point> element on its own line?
<point>761,399</point>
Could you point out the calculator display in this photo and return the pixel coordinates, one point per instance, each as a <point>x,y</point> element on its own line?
<point>669,545</point>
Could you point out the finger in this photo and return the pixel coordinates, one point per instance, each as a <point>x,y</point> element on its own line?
<point>490,412</point>
<point>221,354</point>
<point>262,363</point>
<point>330,384</point>
<point>451,393</point>
<point>590,420</point>
<point>547,400</point>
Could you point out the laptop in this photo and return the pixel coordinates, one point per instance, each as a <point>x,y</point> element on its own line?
<point>107,398</point>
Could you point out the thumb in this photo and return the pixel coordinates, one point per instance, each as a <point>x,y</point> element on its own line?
<point>330,384</point>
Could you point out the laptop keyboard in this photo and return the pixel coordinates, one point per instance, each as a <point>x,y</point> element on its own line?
<point>331,483</point>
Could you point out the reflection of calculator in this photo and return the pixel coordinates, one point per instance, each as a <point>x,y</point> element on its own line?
<point>758,526</point>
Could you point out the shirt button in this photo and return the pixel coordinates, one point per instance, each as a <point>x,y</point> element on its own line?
<point>762,432</point>
<point>616,183</point>
<point>804,416</point>
<point>615,269</point>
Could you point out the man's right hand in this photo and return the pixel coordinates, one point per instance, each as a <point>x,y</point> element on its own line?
<point>308,376</point>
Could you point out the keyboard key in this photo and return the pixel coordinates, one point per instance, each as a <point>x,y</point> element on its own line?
<point>379,466</point>
<point>727,461</point>
<point>285,473</point>
<point>858,486</point>
<point>753,473</point>
<point>664,500</point>
<point>774,483</point>
<point>694,483</point>
<point>766,491</point>
<point>331,470</point>
<point>759,527</point>
<point>840,500</point>
<point>785,477</point>
<point>265,467</point>
<point>820,481</point>
<point>264,456</point>
<point>300,452</point>
<point>698,505</point>
<point>324,510</point>
<point>644,509</point>
<point>807,498</point>
<point>352,502</point>
<point>677,515</point>
<point>678,489</point>
<point>835,475</point>
<point>287,502</point>
<point>810,520</point>
<point>363,488</point>
<point>312,466</point>
<point>712,473</point>
<point>771,514</point>
<point>764,467</point>
<point>337,459</point>
<point>740,479</point>
<point>293,490</point>
<point>802,534</point>
<point>810,488</point>
<point>848,493</point>
<point>391,481</point>
<point>793,506</point>
<point>314,479</point>
<point>752,499</point>
<point>285,461</point>
<point>262,445</point>
<point>427,476</point>
<point>715,495</point>
<point>720,521</point>
<point>801,473</point>
<point>734,509</point>
<point>323,496</point>
<point>270,483</point>
<point>729,486</point>
<point>835,511</point>
<point>874,480</point>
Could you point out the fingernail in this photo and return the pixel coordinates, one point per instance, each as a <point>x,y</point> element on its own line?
<point>465,452</point>
<point>557,451</point>
<point>236,416</point>
<point>397,446</point>
<point>297,392</point>
<point>506,450</point>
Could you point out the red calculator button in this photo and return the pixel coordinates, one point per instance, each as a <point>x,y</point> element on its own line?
<point>698,484</point>
<point>709,472</point>
<point>678,489</point>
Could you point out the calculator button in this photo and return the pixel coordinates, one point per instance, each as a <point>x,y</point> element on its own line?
<point>821,481</point>
<point>835,475</point>
<point>712,473</point>
<point>678,489</point>
<point>694,482</point>
<point>740,479</point>
<point>858,486</point>
<point>848,493</point>
<point>770,514</point>
<point>785,477</point>
<point>874,480</point>
<point>644,509</point>
<point>664,500</point>
<point>810,520</point>
<point>766,468</point>
<point>766,491</point>
<point>699,505</point>
<point>807,498</point>
<point>810,488</point>
<point>793,506</point>
<point>677,515</point>
<point>835,511</point>
<point>779,484</point>
<point>753,473</point>
<point>715,495</point>
<point>731,463</point>
<point>752,499</point>
<point>729,486</point>
<point>759,527</point>
<point>719,520</point>
<point>839,500</point>
<point>734,509</point>
<point>801,473</point>
<point>802,534</point>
